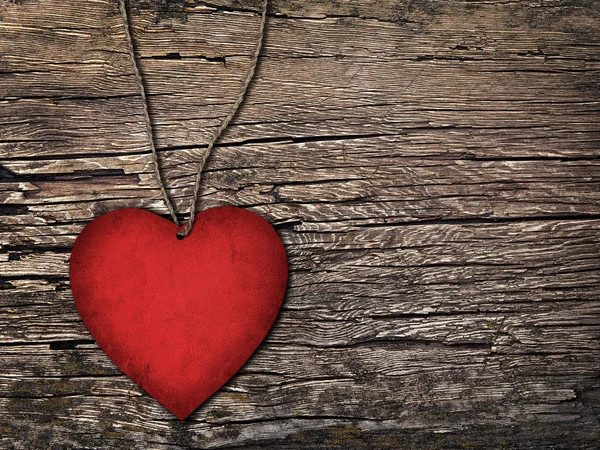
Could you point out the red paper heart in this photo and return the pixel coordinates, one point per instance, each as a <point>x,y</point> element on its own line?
<point>179,317</point>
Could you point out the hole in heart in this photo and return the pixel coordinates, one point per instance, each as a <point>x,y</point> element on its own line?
<point>180,237</point>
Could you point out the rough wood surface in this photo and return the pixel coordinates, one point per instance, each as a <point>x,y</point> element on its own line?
<point>432,167</point>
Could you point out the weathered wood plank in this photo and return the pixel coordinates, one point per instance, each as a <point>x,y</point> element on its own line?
<point>356,185</point>
<point>447,375</point>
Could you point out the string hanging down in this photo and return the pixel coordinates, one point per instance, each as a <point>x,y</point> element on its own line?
<point>216,133</point>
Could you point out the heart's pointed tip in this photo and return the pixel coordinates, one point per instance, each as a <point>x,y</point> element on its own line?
<point>181,415</point>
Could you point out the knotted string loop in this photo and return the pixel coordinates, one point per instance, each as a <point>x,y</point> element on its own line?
<point>217,132</point>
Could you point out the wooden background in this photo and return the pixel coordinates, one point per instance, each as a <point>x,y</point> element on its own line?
<point>432,167</point>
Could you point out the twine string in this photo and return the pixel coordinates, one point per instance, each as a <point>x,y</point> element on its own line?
<point>216,133</point>
<point>149,131</point>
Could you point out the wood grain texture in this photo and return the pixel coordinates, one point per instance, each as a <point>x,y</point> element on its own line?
<point>431,166</point>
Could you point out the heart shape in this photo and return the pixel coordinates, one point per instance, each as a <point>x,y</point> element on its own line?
<point>179,317</point>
